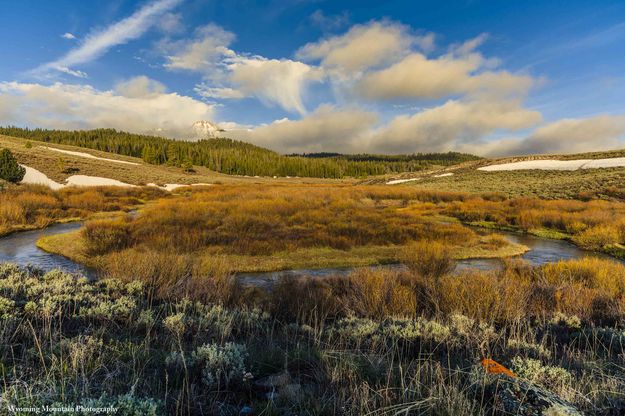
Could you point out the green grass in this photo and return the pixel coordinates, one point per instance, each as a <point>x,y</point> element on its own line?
<point>71,245</point>
<point>531,183</point>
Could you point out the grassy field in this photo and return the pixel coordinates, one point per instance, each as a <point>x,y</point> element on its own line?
<point>169,330</point>
<point>274,228</point>
<point>72,245</point>
<point>47,161</point>
<point>371,343</point>
<point>28,207</point>
<point>581,184</point>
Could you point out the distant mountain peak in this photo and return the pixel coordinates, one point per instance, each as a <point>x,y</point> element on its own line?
<point>205,129</point>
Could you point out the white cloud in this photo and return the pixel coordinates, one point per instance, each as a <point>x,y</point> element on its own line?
<point>417,76</point>
<point>203,53</point>
<point>203,90</point>
<point>140,87</point>
<point>324,130</point>
<point>98,43</point>
<point>68,36</point>
<point>450,126</point>
<point>447,127</point>
<point>274,81</point>
<point>138,109</point>
<point>603,132</point>
<point>365,46</point>
<point>73,72</point>
<point>229,75</point>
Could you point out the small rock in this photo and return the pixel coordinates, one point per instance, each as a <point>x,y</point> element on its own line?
<point>521,398</point>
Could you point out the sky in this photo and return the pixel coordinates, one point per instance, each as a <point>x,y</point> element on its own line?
<point>487,77</point>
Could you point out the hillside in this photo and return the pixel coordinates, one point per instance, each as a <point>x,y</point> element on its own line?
<point>235,157</point>
<point>572,176</point>
<point>48,159</point>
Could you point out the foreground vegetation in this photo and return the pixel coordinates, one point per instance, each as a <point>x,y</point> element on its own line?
<point>372,343</point>
<point>234,157</point>
<point>318,226</point>
<point>273,228</point>
<point>27,207</point>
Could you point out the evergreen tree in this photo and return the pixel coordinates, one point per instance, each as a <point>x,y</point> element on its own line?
<point>10,170</point>
<point>238,158</point>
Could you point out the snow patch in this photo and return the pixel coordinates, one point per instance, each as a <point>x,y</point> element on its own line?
<point>171,186</point>
<point>550,164</point>
<point>442,175</point>
<point>33,176</point>
<point>88,156</point>
<point>398,181</point>
<point>83,180</point>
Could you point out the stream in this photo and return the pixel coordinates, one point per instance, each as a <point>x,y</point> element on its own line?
<point>20,248</point>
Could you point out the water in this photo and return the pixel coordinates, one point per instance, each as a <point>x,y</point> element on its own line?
<point>20,248</point>
<point>542,251</point>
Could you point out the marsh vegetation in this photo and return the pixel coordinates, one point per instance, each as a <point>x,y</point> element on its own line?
<point>170,330</point>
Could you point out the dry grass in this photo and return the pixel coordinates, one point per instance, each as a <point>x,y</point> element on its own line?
<point>31,206</point>
<point>47,162</point>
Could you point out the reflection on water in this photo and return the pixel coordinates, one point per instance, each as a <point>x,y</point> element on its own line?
<point>541,251</point>
<point>20,248</point>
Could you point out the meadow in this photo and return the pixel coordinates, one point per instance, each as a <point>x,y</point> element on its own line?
<point>29,207</point>
<point>375,342</point>
<point>606,183</point>
<point>247,229</point>
<point>169,329</point>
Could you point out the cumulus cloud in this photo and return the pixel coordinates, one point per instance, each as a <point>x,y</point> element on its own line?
<point>68,36</point>
<point>365,46</point>
<point>603,132</point>
<point>443,128</point>
<point>98,43</point>
<point>274,81</point>
<point>417,76</point>
<point>138,106</point>
<point>203,53</point>
<point>449,126</point>
<point>324,130</point>
<point>140,87</point>
<point>230,75</point>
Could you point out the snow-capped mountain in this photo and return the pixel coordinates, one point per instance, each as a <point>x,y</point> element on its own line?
<point>205,129</point>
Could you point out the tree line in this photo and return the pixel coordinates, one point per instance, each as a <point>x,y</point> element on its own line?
<point>236,157</point>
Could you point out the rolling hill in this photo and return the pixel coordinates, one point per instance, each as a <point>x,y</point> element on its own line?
<point>235,157</point>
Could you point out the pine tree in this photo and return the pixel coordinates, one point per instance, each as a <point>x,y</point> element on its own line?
<point>10,170</point>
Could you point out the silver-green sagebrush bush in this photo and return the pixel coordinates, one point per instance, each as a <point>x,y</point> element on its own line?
<point>66,340</point>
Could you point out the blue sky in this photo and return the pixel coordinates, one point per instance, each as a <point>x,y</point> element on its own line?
<point>490,77</point>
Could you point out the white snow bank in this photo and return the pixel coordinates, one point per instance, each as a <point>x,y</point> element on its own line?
<point>550,164</point>
<point>33,176</point>
<point>442,175</point>
<point>398,181</point>
<point>89,156</point>
<point>83,180</point>
<point>171,186</point>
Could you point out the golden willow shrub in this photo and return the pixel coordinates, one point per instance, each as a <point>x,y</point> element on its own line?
<point>36,206</point>
<point>262,221</point>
